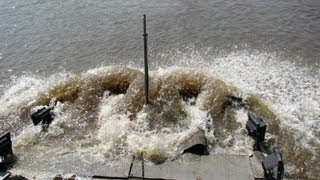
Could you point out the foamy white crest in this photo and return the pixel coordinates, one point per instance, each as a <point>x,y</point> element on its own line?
<point>159,145</point>
<point>107,106</point>
<point>291,91</point>
<point>97,71</point>
<point>113,127</point>
<point>23,90</point>
<point>28,136</point>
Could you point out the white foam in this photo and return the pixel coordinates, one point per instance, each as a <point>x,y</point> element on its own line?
<point>23,90</point>
<point>29,135</point>
<point>289,91</point>
<point>292,92</point>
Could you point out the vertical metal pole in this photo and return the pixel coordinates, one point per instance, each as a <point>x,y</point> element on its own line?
<point>146,75</point>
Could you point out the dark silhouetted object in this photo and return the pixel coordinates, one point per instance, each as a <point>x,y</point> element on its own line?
<point>6,153</point>
<point>43,116</point>
<point>198,149</point>
<point>146,73</point>
<point>5,145</point>
<point>234,101</point>
<point>273,165</point>
<point>256,128</point>
<point>187,96</point>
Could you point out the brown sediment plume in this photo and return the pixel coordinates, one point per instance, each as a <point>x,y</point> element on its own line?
<point>65,91</point>
<point>85,90</point>
<point>167,110</point>
<point>134,98</point>
<point>211,93</point>
<point>186,80</point>
<point>213,97</point>
<point>114,79</point>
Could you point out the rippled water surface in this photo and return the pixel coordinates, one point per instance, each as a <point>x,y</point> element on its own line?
<point>80,53</point>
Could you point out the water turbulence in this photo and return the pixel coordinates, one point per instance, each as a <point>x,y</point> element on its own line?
<point>100,117</point>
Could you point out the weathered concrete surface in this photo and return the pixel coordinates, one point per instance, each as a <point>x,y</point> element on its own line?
<point>230,167</point>
<point>188,166</point>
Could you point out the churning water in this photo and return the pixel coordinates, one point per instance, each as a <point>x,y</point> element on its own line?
<point>88,57</point>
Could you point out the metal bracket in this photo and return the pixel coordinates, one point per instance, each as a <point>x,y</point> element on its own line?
<point>273,165</point>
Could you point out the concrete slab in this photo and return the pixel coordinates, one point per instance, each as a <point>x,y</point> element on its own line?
<point>82,166</point>
<point>214,166</point>
<point>187,166</point>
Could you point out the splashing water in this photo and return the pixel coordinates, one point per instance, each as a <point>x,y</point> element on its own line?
<point>100,117</point>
